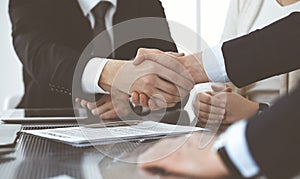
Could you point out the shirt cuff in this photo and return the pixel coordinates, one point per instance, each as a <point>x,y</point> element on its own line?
<point>91,76</point>
<point>214,64</point>
<point>235,143</point>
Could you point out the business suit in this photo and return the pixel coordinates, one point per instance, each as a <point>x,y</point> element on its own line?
<point>50,35</point>
<point>273,137</point>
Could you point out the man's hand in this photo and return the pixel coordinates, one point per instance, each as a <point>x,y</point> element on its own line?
<point>106,109</point>
<point>141,98</point>
<point>187,160</point>
<point>223,105</point>
<point>165,87</point>
<point>191,64</point>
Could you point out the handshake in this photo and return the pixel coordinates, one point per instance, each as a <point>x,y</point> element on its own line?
<point>154,79</point>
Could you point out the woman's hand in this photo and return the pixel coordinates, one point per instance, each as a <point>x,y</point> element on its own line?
<point>223,105</point>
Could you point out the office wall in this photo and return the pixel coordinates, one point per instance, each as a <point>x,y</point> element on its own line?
<point>182,11</point>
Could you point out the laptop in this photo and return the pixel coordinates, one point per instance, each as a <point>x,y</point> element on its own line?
<point>21,116</point>
<point>8,134</point>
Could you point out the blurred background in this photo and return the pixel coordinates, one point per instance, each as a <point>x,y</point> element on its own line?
<point>206,17</point>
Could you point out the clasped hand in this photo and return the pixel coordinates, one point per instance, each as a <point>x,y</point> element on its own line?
<point>155,79</point>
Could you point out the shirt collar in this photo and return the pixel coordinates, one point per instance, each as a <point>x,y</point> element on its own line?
<point>87,5</point>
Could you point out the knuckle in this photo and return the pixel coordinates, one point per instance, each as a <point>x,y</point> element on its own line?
<point>200,96</point>
<point>208,99</point>
<point>204,107</point>
<point>141,50</point>
<point>146,80</point>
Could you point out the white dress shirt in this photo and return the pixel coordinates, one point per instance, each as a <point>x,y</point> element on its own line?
<point>95,66</point>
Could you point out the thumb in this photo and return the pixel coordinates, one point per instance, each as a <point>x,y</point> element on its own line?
<point>216,88</point>
<point>139,59</point>
<point>228,89</point>
<point>176,54</point>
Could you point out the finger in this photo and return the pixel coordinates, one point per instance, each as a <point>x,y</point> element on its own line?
<point>211,109</point>
<point>159,103</point>
<point>167,87</point>
<point>135,98</point>
<point>103,100</point>
<point>83,103</point>
<point>101,109</point>
<point>171,89</point>
<point>196,107</point>
<point>78,100</point>
<point>153,106</point>
<point>210,117</point>
<point>173,70</point>
<point>165,97</point>
<point>91,106</point>
<point>182,78</point>
<point>110,114</point>
<point>139,59</point>
<point>216,88</point>
<point>210,100</point>
<point>176,54</point>
<point>228,89</point>
<point>143,100</point>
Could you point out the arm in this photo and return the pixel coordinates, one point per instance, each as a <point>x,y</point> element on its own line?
<point>268,144</point>
<point>257,50</point>
<point>40,45</point>
<point>260,49</point>
<point>184,157</point>
<point>40,42</point>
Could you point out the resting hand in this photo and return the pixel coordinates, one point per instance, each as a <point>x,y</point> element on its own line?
<point>187,160</point>
<point>106,109</point>
<point>223,105</point>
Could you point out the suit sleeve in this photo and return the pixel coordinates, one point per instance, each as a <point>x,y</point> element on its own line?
<point>38,43</point>
<point>264,53</point>
<point>274,138</point>
<point>154,8</point>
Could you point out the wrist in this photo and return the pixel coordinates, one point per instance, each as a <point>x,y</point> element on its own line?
<point>109,72</point>
<point>194,65</point>
<point>223,171</point>
<point>255,109</point>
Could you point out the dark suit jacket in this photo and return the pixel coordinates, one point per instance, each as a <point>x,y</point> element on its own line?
<point>274,136</point>
<point>50,35</point>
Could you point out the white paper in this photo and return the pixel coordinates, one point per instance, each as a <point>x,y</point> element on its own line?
<point>84,135</point>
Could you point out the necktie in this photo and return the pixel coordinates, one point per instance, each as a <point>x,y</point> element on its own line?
<point>99,12</point>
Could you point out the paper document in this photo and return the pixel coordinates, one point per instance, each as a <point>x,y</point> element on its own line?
<point>86,136</point>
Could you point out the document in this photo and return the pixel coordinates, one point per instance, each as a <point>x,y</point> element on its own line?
<point>87,136</point>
